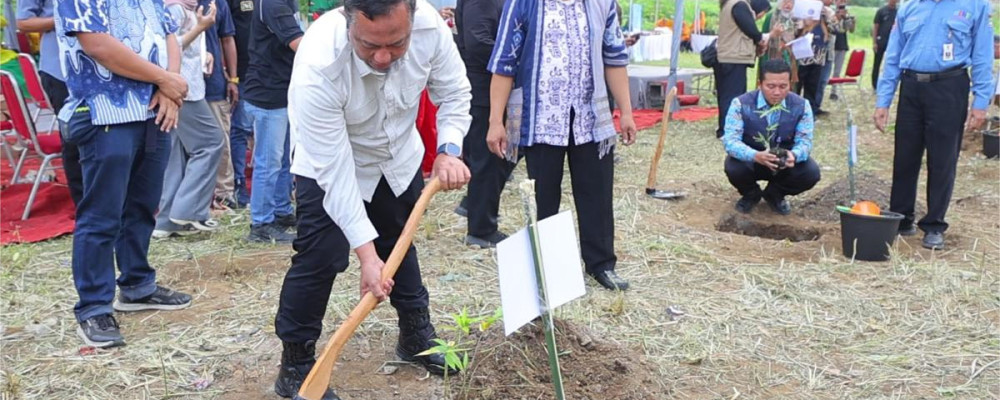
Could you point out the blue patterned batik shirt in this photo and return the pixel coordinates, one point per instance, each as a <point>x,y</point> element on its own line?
<point>732,137</point>
<point>141,25</point>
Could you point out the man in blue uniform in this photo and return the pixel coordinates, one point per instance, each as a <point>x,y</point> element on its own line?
<point>931,47</point>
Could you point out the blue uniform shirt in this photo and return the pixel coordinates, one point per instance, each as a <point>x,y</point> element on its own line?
<point>917,42</point>
<point>49,62</point>
<point>142,25</point>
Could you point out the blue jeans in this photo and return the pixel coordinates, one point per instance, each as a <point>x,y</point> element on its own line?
<point>122,178</point>
<point>239,133</point>
<point>824,77</point>
<point>271,189</point>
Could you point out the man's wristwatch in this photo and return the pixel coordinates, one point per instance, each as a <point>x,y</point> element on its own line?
<point>450,149</point>
<point>235,80</point>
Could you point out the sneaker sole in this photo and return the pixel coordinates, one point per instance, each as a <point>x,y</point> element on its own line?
<point>255,239</point>
<point>481,244</point>
<point>158,234</point>
<point>195,224</point>
<point>100,345</point>
<point>125,307</point>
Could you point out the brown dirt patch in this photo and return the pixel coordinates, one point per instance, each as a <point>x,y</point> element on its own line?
<point>517,367</point>
<point>821,206</point>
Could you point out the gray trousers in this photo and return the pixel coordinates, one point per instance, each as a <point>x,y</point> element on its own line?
<point>838,65</point>
<point>189,181</point>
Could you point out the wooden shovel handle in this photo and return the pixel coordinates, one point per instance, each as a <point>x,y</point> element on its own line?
<point>318,379</point>
<point>651,181</point>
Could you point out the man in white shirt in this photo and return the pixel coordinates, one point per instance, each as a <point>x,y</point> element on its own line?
<point>353,101</point>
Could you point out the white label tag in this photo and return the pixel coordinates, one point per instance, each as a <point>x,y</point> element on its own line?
<point>948,52</point>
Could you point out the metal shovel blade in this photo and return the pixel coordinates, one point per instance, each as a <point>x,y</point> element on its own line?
<point>665,194</point>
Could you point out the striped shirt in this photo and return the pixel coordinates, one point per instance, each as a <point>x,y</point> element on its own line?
<point>142,25</point>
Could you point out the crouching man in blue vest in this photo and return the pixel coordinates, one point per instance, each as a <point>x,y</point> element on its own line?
<point>768,136</point>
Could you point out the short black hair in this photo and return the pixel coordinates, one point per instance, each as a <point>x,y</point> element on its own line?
<point>775,66</point>
<point>374,8</point>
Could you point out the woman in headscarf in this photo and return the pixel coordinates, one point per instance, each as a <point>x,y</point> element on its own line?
<point>551,61</point>
<point>189,180</point>
<point>776,44</point>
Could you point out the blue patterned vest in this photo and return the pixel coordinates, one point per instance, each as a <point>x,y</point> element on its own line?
<point>754,123</point>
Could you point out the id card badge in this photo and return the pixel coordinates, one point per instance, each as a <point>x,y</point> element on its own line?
<point>948,52</point>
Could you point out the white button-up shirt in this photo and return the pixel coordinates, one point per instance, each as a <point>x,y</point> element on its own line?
<point>351,125</point>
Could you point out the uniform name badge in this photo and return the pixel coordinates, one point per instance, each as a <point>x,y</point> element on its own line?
<point>948,52</point>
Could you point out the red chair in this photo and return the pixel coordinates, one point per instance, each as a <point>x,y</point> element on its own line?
<point>855,65</point>
<point>47,146</point>
<point>686,99</point>
<point>33,81</point>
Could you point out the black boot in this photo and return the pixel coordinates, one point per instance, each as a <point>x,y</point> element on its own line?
<point>415,334</point>
<point>296,361</point>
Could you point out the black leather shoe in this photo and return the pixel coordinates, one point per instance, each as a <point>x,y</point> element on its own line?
<point>610,280</point>
<point>296,361</point>
<point>415,336</point>
<point>934,240</point>
<point>746,203</point>
<point>907,230</point>
<point>485,242</point>
<point>779,204</point>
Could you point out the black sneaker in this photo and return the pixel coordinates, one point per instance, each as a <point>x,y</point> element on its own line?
<point>161,299</point>
<point>820,113</point>
<point>780,205</point>
<point>285,221</point>
<point>269,233</point>
<point>746,203</point>
<point>101,331</point>
<point>487,242</point>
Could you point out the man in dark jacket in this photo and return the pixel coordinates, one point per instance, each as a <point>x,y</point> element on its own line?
<point>477,22</point>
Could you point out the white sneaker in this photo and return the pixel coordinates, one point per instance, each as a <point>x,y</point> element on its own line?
<point>184,231</point>
<point>207,225</point>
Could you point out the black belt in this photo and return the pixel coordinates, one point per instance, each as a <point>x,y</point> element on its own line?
<point>935,76</point>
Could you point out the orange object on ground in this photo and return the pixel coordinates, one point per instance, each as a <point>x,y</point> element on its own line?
<point>866,207</point>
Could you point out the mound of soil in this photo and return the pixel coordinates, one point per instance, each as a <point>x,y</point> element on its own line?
<point>822,205</point>
<point>517,367</point>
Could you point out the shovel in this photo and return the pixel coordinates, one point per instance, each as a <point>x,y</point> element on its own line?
<point>318,379</point>
<point>651,189</point>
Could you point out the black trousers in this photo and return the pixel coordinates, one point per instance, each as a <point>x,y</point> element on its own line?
<point>809,79</point>
<point>57,92</point>
<point>878,64</point>
<point>931,116</point>
<point>730,82</point>
<point>743,175</point>
<point>592,179</point>
<point>322,251</point>
<point>489,176</point>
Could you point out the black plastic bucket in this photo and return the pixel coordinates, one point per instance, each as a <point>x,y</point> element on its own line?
<point>991,144</point>
<point>868,237</point>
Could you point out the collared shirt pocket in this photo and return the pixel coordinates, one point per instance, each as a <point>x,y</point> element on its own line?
<point>960,31</point>
<point>358,113</point>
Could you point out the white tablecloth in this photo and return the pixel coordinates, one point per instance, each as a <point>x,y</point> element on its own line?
<point>652,47</point>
